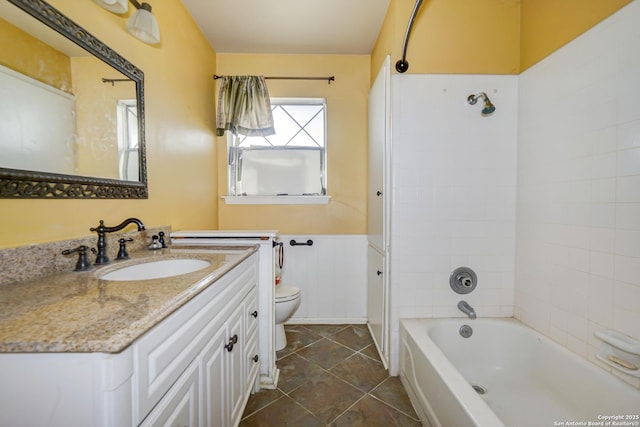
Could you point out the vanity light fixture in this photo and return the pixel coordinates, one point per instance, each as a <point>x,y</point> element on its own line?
<point>115,6</point>
<point>142,24</point>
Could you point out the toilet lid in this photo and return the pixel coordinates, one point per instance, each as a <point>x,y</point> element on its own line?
<point>286,293</point>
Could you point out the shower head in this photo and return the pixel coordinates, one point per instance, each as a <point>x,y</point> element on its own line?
<point>488,108</point>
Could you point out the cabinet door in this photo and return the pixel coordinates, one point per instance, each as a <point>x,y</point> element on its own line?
<point>252,362</point>
<point>223,374</point>
<point>379,117</point>
<point>376,296</point>
<point>180,407</point>
<point>236,365</point>
<point>214,381</point>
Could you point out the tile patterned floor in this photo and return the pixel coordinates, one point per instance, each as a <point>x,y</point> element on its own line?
<point>331,375</point>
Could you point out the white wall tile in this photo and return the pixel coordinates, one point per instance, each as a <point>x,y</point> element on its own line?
<point>578,157</point>
<point>463,212</point>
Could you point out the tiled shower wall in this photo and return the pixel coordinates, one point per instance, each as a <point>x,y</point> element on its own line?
<point>578,207</point>
<point>453,179</point>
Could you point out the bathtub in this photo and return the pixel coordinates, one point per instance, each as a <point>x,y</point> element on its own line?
<point>527,379</point>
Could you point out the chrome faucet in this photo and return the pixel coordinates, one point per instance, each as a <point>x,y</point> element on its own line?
<point>102,230</point>
<point>467,309</point>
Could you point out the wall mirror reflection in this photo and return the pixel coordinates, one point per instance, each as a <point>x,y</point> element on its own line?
<point>71,110</point>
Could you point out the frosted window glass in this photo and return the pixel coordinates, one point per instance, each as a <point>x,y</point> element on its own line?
<point>291,162</point>
<point>273,172</point>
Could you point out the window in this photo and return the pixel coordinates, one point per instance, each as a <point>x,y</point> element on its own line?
<point>127,111</point>
<point>290,163</point>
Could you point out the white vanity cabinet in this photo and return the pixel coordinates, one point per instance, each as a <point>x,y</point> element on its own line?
<point>194,368</point>
<point>210,333</point>
<point>229,372</point>
<point>181,406</point>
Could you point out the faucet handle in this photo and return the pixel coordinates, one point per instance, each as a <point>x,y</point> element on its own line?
<point>83,263</point>
<point>122,252</point>
<point>161,239</point>
<point>155,243</point>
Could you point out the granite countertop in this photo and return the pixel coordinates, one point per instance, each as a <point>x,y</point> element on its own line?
<point>78,312</point>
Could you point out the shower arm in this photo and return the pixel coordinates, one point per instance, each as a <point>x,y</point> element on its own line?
<point>402,65</point>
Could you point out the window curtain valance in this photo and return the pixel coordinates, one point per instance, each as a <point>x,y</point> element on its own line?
<point>244,106</point>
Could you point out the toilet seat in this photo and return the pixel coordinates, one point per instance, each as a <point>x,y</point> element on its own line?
<point>286,293</point>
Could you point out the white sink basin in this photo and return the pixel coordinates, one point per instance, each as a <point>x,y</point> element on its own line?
<point>156,269</point>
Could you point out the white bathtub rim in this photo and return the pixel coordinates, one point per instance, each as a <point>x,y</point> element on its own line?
<point>419,328</point>
<point>513,322</point>
<point>475,407</point>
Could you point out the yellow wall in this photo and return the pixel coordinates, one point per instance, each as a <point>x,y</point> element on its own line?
<point>29,56</point>
<point>548,25</point>
<point>346,143</point>
<point>449,36</point>
<point>484,36</point>
<point>180,126</point>
<point>453,36</point>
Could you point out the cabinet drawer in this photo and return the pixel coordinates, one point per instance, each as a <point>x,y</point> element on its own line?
<point>162,354</point>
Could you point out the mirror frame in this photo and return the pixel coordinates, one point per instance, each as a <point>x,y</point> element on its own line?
<point>23,184</point>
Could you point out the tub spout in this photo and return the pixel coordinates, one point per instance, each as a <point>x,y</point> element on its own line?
<point>467,309</point>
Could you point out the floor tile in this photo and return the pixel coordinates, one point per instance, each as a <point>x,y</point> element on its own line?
<point>392,392</point>
<point>283,412</point>
<point>325,353</point>
<point>261,399</point>
<point>369,412</point>
<point>331,374</point>
<point>361,372</point>
<point>355,337</point>
<point>295,371</point>
<point>325,330</point>
<point>372,352</point>
<point>326,396</point>
<point>297,337</point>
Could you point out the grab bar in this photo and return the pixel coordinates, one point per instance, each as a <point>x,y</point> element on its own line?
<point>309,242</point>
<point>402,65</point>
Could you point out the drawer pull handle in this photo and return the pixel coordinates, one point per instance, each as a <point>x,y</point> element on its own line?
<point>255,313</point>
<point>255,358</point>
<point>233,340</point>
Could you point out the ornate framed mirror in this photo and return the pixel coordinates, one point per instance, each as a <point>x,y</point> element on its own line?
<point>71,110</point>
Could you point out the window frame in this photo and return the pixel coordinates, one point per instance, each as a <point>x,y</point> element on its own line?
<point>234,154</point>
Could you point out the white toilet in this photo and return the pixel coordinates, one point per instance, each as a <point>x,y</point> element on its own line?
<point>287,302</point>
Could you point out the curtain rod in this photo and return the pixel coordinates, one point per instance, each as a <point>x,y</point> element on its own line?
<point>328,79</point>
<point>113,81</point>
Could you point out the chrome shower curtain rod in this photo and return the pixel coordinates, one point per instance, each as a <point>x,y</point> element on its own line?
<point>329,79</point>
<point>402,65</point>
